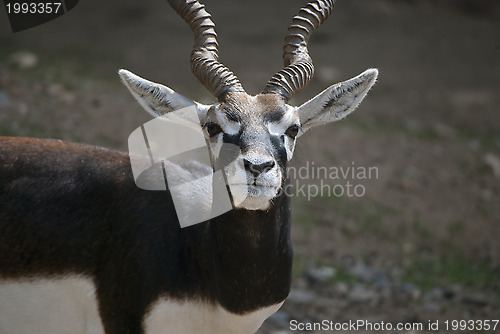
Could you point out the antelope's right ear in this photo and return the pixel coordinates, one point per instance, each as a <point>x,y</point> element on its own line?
<point>158,99</point>
<point>337,101</point>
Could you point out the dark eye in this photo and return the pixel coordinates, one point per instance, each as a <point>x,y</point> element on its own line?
<point>292,131</point>
<point>213,129</point>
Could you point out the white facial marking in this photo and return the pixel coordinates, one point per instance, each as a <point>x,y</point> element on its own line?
<point>279,127</point>
<point>289,147</point>
<point>168,316</point>
<point>228,126</point>
<point>56,306</point>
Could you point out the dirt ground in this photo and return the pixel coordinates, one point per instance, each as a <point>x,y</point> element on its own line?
<point>422,242</point>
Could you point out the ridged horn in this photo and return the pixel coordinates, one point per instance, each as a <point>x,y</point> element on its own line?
<point>216,77</point>
<point>299,68</point>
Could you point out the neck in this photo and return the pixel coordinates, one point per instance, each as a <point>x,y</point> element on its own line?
<point>251,249</point>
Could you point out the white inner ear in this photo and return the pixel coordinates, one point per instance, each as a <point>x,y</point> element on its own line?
<point>158,99</point>
<point>337,101</point>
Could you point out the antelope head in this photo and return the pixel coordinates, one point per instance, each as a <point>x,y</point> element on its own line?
<point>264,126</point>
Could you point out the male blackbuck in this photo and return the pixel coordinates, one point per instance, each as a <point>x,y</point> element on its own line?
<point>84,250</point>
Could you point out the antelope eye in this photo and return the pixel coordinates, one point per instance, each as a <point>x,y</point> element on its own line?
<point>292,131</point>
<point>213,129</point>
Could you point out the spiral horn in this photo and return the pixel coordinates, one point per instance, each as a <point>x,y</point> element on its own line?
<point>216,77</point>
<point>299,68</point>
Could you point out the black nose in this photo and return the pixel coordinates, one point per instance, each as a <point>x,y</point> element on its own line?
<point>257,169</point>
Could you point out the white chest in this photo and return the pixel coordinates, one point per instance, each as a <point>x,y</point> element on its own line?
<point>196,317</point>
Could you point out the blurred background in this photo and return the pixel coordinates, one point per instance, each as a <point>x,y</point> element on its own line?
<point>423,242</point>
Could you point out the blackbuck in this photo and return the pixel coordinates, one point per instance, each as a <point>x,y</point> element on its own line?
<point>84,250</point>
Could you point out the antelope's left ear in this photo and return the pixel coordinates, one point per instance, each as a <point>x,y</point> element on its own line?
<point>337,101</point>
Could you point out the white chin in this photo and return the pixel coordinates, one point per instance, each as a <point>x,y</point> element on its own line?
<point>252,197</point>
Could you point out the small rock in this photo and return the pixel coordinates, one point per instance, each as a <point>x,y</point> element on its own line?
<point>364,273</point>
<point>493,162</point>
<point>436,293</point>
<point>322,274</point>
<point>24,59</point>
